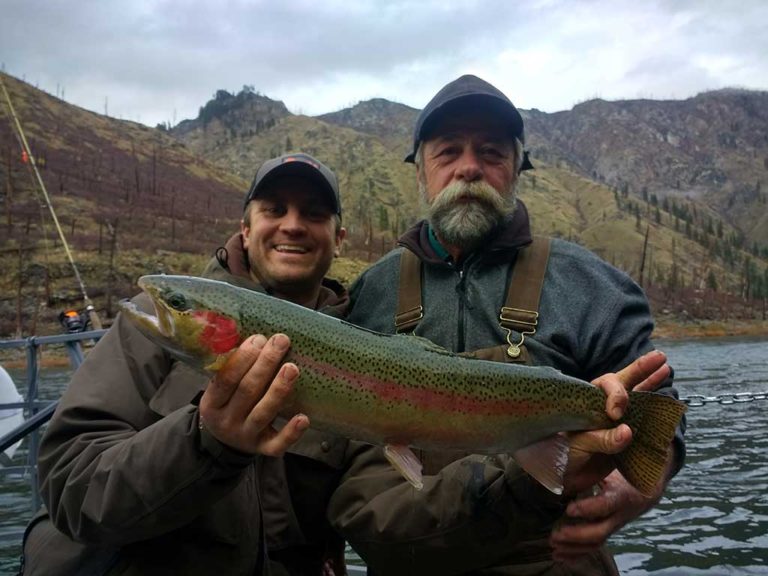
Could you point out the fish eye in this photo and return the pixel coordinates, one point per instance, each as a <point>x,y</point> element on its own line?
<point>177,301</point>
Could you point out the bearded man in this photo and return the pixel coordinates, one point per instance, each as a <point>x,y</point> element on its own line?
<point>473,280</point>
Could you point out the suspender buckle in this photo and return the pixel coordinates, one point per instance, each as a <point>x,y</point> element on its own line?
<point>408,319</point>
<point>524,321</point>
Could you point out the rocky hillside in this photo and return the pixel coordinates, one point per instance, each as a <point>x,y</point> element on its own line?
<point>712,148</point>
<point>390,121</point>
<point>127,198</point>
<point>378,190</point>
<point>229,117</point>
<point>669,191</point>
<point>609,175</point>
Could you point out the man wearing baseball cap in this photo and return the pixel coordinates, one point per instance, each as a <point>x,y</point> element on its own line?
<point>150,468</point>
<point>291,229</point>
<point>473,279</point>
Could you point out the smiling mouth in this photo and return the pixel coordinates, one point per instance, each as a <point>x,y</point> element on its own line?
<point>291,249</point>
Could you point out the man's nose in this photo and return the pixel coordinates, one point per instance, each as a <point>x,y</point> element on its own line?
<point>469,168</point>
<point>293,221</point>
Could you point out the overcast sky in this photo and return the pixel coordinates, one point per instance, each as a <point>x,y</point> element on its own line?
<point>155,61</point>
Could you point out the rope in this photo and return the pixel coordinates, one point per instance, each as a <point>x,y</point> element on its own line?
<point>25,146</point>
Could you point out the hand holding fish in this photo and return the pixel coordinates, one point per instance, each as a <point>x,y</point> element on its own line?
<point>240,404</point>
<point>589,460</point>
<point>591,520</point>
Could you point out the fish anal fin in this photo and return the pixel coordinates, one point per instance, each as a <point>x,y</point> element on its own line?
<point>406,462</point>
<point>546,461</point>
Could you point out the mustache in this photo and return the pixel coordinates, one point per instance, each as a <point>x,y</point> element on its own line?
<point>457,191</point>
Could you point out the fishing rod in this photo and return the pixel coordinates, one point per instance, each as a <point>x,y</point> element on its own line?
<point>89,308</point>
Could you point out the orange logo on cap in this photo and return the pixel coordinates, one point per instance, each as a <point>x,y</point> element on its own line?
<point>305,160</point>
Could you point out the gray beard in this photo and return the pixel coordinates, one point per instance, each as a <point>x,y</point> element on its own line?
<point>465,224</point>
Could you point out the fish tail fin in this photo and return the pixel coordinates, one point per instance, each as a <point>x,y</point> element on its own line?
<point>653,419</point>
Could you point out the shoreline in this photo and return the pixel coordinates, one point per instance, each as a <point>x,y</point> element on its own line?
<point>669,329</point>
<point>665,329</point>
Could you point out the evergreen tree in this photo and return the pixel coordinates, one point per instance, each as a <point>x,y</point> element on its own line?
<point>712,281</point>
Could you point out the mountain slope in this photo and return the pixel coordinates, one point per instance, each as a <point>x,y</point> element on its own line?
<point>712,148</point>
<point>126,197</point>
<point>673,209</point>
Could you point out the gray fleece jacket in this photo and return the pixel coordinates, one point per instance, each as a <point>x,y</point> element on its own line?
<point>593,319</point>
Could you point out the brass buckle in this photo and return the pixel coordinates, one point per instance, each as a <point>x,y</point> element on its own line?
<point>411,316</point>
<point>529,328</point>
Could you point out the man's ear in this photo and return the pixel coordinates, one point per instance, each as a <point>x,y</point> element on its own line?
<point>245,229</point>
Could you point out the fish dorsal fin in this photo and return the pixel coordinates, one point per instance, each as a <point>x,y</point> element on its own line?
<point>546,461</point>
<point>406,462</point>
<point>424,344</point>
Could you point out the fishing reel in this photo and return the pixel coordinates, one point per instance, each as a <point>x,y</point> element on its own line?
<point>73,321</point>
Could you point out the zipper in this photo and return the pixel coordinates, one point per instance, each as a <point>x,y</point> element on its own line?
<point>461,290</point>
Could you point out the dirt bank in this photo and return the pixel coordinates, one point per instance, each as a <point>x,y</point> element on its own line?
<point>683,329</point>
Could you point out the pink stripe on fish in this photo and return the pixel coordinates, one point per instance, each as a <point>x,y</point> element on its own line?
<point>442,400</point>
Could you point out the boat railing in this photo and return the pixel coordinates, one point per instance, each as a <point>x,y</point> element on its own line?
<point>36,411</point>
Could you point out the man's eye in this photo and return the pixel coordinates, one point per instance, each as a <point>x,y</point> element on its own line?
<point>492,152</point>
<point>317,215</point>
<point>447,151</point>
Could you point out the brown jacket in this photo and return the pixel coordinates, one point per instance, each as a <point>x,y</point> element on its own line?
<point>133,486</point>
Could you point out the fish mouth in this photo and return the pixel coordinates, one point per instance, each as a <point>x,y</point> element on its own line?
<point>159,327</point>
<point>164,318</point>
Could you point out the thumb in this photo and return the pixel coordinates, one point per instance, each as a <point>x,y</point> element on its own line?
<point>603,441</point>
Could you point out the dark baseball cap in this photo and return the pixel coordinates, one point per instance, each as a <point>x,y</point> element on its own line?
<point>468,92</point>
<point>298,164</point>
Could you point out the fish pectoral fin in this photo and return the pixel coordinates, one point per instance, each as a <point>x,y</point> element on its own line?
<point>406,462</point>
<point>217,364</point>
<point>546,461</point>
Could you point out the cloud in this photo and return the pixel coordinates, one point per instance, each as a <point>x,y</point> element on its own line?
<point>148,59</point>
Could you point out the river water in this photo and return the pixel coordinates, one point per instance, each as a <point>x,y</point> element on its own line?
<point>713,519</point>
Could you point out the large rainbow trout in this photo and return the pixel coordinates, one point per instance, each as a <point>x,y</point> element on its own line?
<point>401,391</point>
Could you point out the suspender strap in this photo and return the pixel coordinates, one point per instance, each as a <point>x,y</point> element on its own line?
<point>409,308</point>
<point>521,310</point>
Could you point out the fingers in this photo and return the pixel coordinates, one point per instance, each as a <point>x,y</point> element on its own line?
<point>605,441</point>
<point>226,380</point>
<point>616,396</point>
<point>259,415</point>
<point>572,541</point>
<point>654,380</point>
<point>645,370</point>
<point>600,505</point>
<point>589,459</point>
<point>587,524</point>
<point>275,443</point>
<point>257,382</point>
<point>590,521</point>
<point>248,393</point>
<point>644,374</point>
